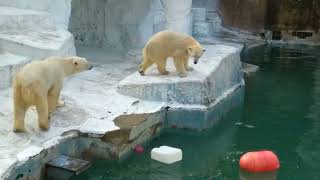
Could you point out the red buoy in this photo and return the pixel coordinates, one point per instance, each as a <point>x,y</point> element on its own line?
<point>139,149</point>
<point>260,161</point>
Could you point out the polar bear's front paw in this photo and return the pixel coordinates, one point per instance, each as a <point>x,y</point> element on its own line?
<point>189,68</point>
<point>61,103</point>
<point>165,73</point>
<point>44,126</point>
<point>18,129</point>
<point>182,75</point>
<point>141,73</point>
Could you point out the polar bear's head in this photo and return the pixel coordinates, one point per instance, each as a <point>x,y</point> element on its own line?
<point>81,64</point>
<point>77,64</point>
<point>196,51</point>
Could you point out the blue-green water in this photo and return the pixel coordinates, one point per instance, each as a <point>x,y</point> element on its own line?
<point>281,112</point>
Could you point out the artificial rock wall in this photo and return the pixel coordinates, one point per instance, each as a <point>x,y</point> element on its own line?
<point>60,9</point>
<point>115,24</point>
<point>124,24</point>
<point>256,15</point>
<point>112,23</point>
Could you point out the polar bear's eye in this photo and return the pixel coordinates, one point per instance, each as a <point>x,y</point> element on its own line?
<point>76,63</point>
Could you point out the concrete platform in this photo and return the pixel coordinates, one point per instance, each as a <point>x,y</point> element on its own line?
<point>217,71</point>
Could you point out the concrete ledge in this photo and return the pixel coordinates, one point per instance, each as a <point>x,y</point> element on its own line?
<point>218,70</point>
<point>202,117</point>
<point>37,45</point>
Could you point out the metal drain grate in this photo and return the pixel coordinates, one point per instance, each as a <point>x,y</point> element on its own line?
<point>302,34</point>
<point>64,167</point>
<point>276,35</point>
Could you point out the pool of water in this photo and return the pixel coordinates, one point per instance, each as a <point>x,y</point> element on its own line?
<point>281,112</point>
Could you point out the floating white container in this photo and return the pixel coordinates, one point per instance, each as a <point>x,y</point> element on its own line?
<point>166,154</point>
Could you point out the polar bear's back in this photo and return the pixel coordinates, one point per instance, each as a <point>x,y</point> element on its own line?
<point>165,43</point>
<point>39,72</point>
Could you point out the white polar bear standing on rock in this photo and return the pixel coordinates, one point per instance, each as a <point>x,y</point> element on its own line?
<point>39,83</point>
<point>166,44</point>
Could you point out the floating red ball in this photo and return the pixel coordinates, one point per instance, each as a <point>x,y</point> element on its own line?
<point>139,149</point>
<point>260,161</point>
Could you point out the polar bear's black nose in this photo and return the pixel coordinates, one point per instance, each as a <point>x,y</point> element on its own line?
<point>195,61</point>
<point>90,67</point>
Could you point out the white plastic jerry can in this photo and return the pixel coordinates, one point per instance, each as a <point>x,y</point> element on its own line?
<point>166,154</point>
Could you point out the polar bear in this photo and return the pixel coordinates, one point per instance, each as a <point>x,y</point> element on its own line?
<point>166,44</point>
<point>39,83</point>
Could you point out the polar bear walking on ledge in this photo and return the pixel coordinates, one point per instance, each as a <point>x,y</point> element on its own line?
<point>166,44</point>
<point>39,83</point>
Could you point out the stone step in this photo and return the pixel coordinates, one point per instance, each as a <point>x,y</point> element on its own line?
<point>22,19</point>
<point>218,70</point>
<point>9,64</point>
<point>38,44</point>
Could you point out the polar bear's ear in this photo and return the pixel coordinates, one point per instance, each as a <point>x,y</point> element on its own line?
<point>75,63</point>
<point>189,50</point>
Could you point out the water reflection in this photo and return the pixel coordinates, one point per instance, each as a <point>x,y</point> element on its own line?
<point>309,147</point>
<point>258,176</point>
<point>285,100</point>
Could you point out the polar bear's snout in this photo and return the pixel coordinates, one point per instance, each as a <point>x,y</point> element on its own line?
<point>195,61</point>
<point>90,67</point>
<point>197,57</point>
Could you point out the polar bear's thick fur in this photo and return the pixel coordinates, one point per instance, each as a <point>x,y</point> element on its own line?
<point>166,44</point>
<point>39,83</point>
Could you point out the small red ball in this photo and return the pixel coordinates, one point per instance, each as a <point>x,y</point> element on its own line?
<point>260,161</point>
<point>139,149</point>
